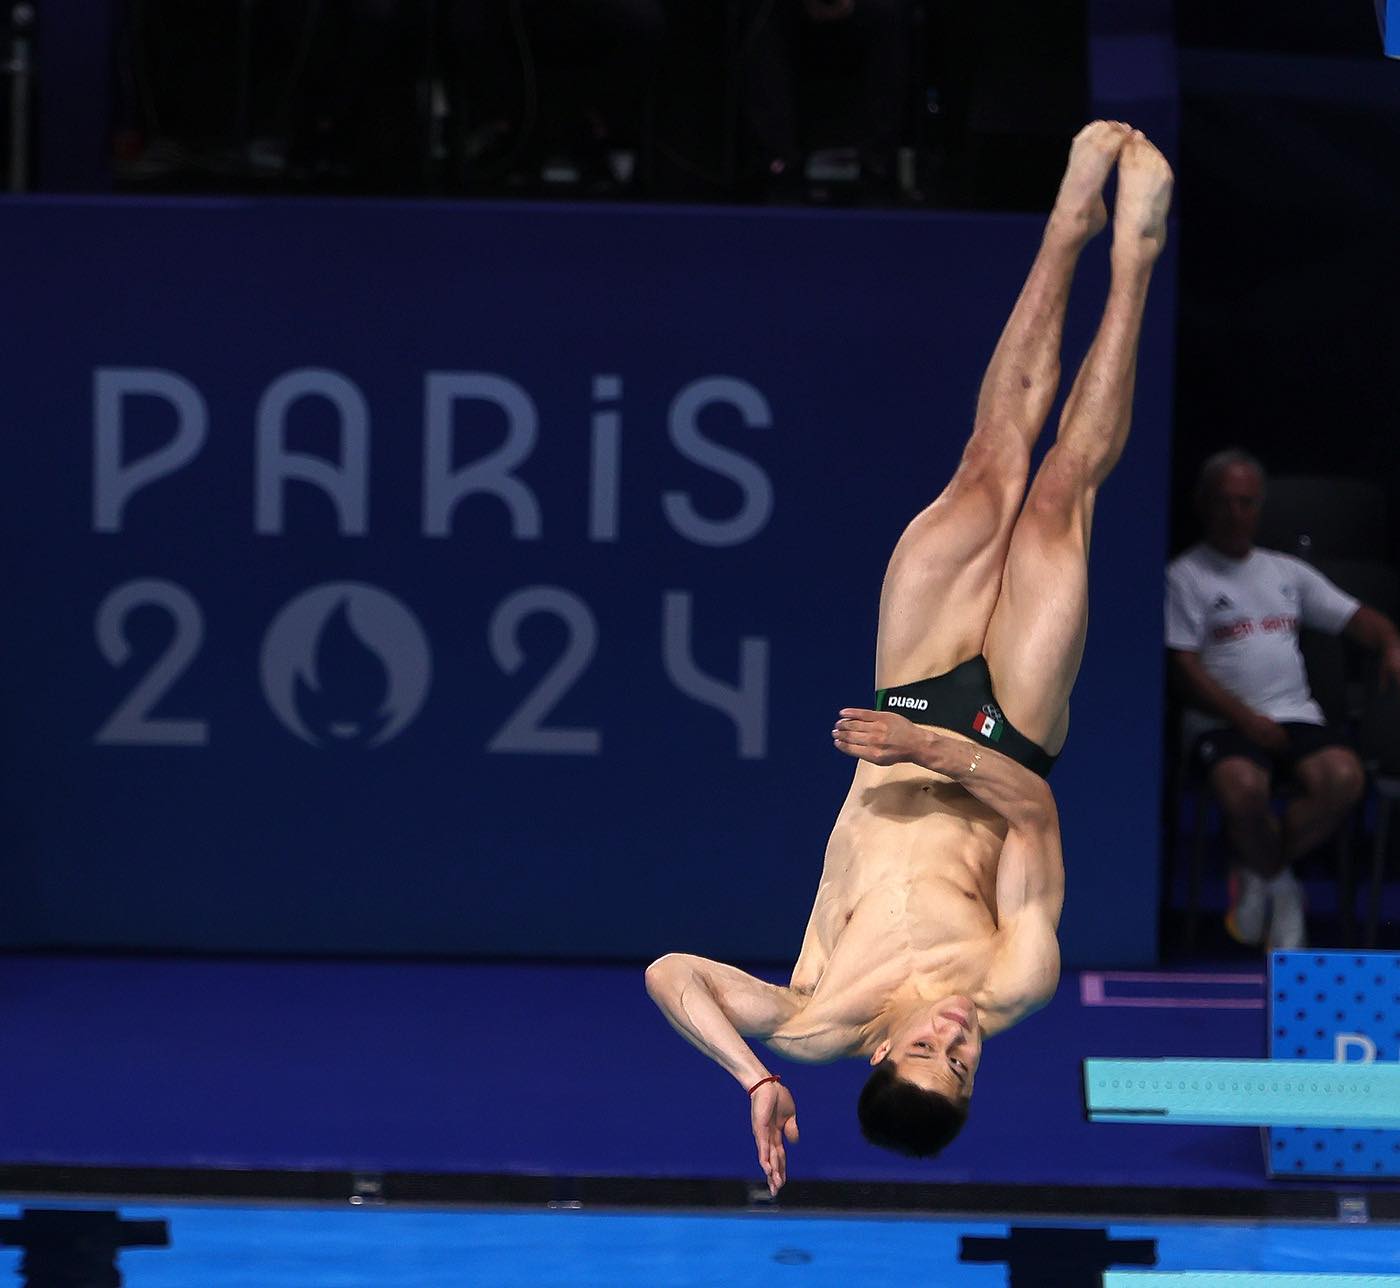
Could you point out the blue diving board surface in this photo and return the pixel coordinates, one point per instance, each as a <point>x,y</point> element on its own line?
<point>1244,1093</point>
<point>1240,1279</point>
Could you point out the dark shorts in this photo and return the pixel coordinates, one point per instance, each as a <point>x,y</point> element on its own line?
<point>1303,741</point>
<point>961,700</point>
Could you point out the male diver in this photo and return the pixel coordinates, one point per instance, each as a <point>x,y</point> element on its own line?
<point>935,919</point>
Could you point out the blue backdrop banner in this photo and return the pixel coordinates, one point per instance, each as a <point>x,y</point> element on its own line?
<point>438,578</point>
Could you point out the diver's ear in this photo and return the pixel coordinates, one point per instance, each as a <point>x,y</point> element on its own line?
<point>880,1052</point>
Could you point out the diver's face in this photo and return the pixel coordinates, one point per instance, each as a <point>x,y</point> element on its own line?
<point>937,1048</point>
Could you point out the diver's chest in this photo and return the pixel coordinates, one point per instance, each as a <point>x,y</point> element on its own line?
<point>914,916</point>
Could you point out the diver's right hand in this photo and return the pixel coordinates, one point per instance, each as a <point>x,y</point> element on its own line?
<point>882,737</point>
<point>774,1117</point>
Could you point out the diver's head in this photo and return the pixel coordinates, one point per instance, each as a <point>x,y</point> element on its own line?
<point>916,1100</point>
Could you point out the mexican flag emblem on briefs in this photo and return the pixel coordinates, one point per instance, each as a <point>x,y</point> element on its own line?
<point>989,726</point>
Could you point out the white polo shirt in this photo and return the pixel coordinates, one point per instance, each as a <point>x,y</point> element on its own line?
<point>1241,616</point>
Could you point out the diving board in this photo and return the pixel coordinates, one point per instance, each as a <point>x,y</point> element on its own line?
<point>1245,1093</point>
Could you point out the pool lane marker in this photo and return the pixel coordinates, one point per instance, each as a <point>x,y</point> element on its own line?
<point>1239,1279</point>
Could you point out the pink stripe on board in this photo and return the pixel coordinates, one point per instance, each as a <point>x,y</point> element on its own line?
<point>1173,977</point>
<point>1186,1003</point>
<point>1093,991</point>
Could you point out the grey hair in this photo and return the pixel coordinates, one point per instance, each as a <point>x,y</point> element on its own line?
<point>1216,465</point>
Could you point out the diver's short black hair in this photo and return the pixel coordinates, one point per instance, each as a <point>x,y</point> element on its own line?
<point>897,1115</point>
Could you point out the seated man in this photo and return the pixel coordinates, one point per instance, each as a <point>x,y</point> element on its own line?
<point>1233,613</point>
<point>935,919</point>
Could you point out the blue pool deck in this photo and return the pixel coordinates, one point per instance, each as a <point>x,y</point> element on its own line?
<point>550,1071</point>
<point>322,1124</point>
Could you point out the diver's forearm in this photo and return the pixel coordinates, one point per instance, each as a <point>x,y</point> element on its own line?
<point>1021,797</point>
<point>685,999</point>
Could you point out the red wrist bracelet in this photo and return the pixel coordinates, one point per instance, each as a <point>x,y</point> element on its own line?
<point>772,1077</point>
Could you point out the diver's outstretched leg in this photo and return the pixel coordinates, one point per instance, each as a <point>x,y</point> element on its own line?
<point>1036,637</point>
<point>945,573</point>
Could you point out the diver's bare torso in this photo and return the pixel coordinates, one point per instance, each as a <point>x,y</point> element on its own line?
<point>906,908</point>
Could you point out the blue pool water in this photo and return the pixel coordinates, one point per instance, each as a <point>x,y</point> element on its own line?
<point>265,1247</point>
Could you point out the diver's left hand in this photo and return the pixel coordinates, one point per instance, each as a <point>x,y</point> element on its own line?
<point>774,1116</point>
<point>881,737</point>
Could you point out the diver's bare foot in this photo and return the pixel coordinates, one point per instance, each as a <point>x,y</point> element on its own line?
<point>1079,211</point>
<point>1144,195</point>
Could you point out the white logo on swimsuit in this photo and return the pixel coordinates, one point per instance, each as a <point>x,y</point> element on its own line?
<point>916,704</point>
<point>345,663</point>
<point>993,710</point>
